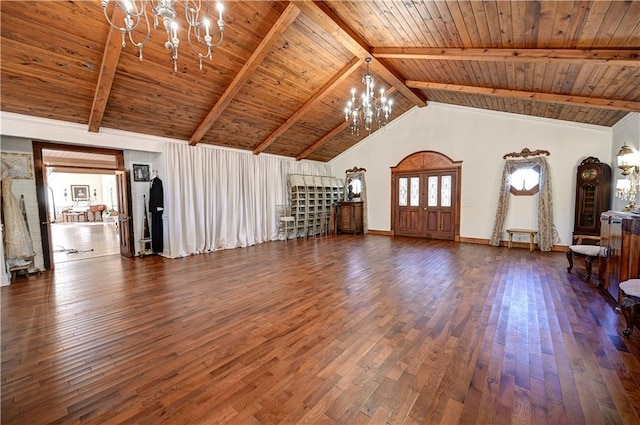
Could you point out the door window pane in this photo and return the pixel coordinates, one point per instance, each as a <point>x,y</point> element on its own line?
<point>433,191</point>
<point>403,191</point>
<point>415,191</point>
<point>445,192</point>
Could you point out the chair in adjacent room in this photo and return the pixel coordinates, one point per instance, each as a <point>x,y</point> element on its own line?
<point>589,252</point>
<point>630,303</point>
<point>286,222</point>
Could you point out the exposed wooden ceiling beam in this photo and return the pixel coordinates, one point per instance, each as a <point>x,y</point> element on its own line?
<point>322,15</point>
<point>629,57</point>
<point>332,133</point>
<point>284,21</point>
<point>322,140</point>
<point>108,67</point>
<point>566,99</point>
<point>317,97</point>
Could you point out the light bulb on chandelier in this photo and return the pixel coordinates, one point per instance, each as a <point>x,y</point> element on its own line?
<point>196,16</point>
<point>370,109</point>
<point>627,187</point>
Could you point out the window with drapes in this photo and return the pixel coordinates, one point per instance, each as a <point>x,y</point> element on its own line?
<point>547,232</point>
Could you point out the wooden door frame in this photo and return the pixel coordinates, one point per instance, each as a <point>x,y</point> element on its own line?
<point>41,188</point>
<point>425,162</point>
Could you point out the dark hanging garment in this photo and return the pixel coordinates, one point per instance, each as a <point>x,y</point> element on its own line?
<point>156,208</point>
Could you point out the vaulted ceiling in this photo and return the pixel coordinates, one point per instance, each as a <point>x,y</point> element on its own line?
<point>280,80</point>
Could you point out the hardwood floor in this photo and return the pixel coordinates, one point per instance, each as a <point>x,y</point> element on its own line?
<point>348,329</point>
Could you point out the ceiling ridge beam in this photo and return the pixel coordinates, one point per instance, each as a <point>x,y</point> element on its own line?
<point>340,76</point>
<point>332,133</point>
<point>284,21</point>
<point>621,57</point>
<point>326,18</point>
<point>566,99</point>
<point>108,68</point>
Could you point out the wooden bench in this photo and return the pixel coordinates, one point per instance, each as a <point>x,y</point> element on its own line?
<point>532,234</point>
<point>74,216</point>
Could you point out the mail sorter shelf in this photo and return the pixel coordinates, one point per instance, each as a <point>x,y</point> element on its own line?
<point>311,199</point>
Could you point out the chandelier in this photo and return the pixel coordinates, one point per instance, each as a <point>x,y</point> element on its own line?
<point>370,108</point>
<point>627,187</point>
<point>196,15</point>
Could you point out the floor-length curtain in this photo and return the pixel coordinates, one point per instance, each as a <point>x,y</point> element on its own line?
<point>219,199</point>
<point>547,232</point>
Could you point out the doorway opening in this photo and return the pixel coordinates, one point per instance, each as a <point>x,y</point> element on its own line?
<point>425,188</point>
<point>83,202</point>
<point>83,213</point>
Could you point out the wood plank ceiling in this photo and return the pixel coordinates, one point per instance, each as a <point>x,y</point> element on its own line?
<point>279,82</point>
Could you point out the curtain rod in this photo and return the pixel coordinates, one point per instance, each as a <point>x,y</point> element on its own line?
<point>525,153</point>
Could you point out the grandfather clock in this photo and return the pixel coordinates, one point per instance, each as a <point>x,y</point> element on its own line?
<point>593,196</point>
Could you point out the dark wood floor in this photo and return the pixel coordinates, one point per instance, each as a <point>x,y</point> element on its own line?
<point>348,329</point>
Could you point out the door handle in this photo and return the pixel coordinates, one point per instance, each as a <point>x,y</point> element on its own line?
<point>425,208</point>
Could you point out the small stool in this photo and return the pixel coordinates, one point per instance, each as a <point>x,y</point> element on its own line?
<point>630,293</point>
<point>590,252</point>
<point>532,234</point>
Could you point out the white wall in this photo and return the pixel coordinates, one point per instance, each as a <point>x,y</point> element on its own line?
<point>626,131</point>
<point>140,189</point>
<point>479,138</point>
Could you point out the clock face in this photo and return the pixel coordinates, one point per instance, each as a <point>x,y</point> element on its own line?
<point>590,174</point>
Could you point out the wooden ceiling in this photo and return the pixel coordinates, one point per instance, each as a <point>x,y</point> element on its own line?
<point>280,80</point>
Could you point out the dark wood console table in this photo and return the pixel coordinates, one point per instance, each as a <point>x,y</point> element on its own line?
<point>349,217</point>
<point>620,236</point>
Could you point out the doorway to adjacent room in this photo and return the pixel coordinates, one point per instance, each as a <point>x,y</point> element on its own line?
<point>83,202</point>
<point>82,211</point>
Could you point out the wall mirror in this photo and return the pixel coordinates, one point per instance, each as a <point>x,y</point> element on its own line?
<point>355,185</point>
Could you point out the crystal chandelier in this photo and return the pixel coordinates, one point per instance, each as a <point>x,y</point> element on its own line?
<point>627,188</point>
<point>370,108</point>
<point>196,15</point>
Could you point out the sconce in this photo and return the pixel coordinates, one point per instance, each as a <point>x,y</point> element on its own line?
<point>627,188</point>
<point>95,195</point>
<point>65,195</point>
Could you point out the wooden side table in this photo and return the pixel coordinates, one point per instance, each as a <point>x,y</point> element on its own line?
<point>532,234</point>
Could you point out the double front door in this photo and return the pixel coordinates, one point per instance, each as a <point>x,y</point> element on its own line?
<point>426,204</point>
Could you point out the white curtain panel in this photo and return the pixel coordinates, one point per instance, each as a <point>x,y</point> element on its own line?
<point>220,199</point>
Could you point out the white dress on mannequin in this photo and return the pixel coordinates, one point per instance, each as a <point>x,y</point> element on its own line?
<point>18,245</point>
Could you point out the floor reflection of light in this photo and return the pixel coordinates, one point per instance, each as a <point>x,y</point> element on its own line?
<point>79,241</point>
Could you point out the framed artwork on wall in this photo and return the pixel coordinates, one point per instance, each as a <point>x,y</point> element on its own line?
<point>18,165</point>
<point>79,192</point>
<point>140,172</point>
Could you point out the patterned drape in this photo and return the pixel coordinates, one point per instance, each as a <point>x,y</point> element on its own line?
<point>547,232</point>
